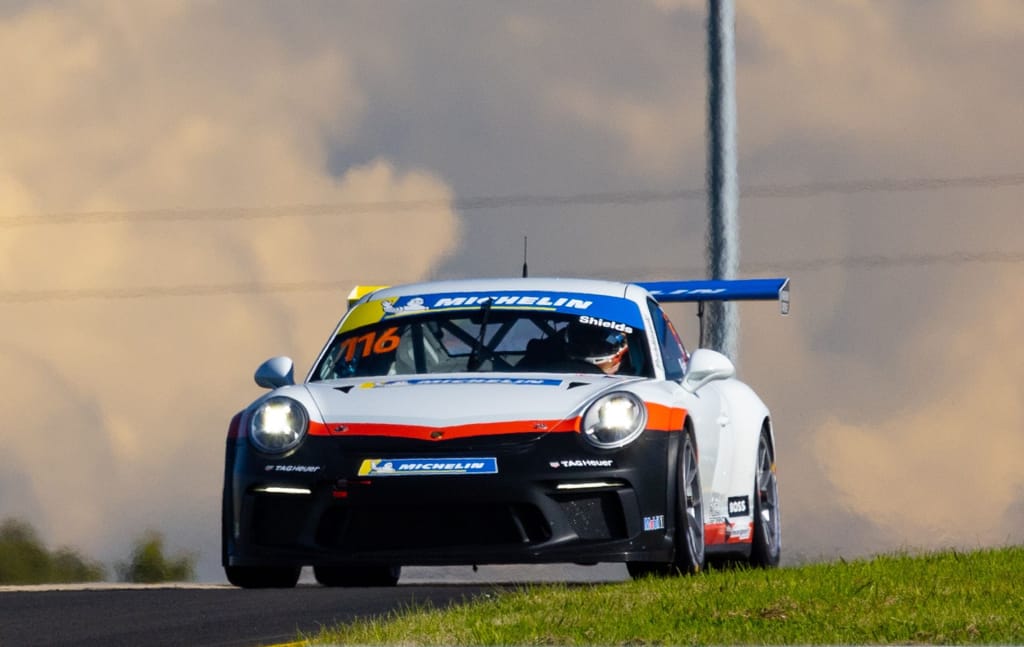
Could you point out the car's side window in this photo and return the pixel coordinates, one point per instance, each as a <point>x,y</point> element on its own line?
<point>673,355</point>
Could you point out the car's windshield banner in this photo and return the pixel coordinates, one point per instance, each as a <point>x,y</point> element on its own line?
<point>513,381</point>
<point>596,306</point>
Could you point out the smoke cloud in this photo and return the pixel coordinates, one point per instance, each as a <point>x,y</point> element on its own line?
<point>116,407</point>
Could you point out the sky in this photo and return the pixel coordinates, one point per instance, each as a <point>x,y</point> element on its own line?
<point>183,191</point>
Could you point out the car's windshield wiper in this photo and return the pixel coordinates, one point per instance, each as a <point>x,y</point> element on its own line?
<point>476,355</point>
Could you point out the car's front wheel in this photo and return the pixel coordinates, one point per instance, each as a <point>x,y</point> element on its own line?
<point>378,575</point>
<point>767,540</point>
<point>690,552</point>
<point>263,577</point>
<point>689,530</point>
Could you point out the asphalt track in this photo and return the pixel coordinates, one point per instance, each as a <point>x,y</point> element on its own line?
<point>201,616</point>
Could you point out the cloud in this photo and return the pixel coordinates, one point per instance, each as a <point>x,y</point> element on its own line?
<point>653,133</point>
<point>122,404</point>
<point>948,472</point>
<point>254,132</point>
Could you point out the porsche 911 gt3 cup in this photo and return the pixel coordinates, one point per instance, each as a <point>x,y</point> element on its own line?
<point>503,421</point>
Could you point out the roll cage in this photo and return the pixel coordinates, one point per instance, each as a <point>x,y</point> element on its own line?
<point>484,340</point>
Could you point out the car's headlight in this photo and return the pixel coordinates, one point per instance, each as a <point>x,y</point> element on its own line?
<point>278,425</point>
<point>614,420</point>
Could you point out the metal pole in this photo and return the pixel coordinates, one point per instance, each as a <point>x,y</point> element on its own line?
<point>723,191</point>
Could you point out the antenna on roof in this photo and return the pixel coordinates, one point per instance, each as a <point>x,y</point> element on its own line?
<point>525,273</point>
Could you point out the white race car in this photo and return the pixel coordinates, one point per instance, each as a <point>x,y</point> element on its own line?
<point>503,421</point>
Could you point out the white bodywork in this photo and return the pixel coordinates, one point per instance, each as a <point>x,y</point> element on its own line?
<point>726,416</point>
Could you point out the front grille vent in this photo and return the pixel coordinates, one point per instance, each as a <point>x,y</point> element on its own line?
<point>407,527</point>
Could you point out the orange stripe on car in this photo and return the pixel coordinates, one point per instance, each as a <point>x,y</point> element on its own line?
<point>718,533</point>
<point>664,418</point>
<point>659,418</point>
<point>422,432</point>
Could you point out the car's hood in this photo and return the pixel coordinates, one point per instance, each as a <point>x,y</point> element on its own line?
<point>466,404</point>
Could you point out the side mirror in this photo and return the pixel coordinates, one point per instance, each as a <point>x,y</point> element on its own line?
<point>707,365</point>
<point>275,372</point>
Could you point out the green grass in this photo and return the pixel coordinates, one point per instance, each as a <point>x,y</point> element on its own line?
<point>940,598</point>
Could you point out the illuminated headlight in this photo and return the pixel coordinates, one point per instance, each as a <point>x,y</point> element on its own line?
<point>278,425</point>
<point>614,420</point>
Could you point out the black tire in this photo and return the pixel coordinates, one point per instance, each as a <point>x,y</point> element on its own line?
<point>263,577</point>
<point>690,553</point>
<point>767,541</point>
<point>377,575</point>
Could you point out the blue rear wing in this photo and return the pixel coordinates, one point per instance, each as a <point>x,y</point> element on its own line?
<point>721,290</point>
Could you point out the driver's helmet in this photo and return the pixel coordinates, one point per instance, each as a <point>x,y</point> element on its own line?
<point>599,346</point>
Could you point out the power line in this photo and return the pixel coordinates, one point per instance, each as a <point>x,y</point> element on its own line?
<point>867,262</point>
<point>864,262</point>
<point>201,290</point>
<point>884,185</point>
<point>526,201</point>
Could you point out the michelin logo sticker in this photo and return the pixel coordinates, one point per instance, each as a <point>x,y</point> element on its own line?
<point>427,467</point>
<point>513,300</point>
<point>604,310</point>
<point>414,304</point>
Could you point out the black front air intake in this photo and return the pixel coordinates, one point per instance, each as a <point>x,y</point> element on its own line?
<point>409,527</point>
<point>594,516</point>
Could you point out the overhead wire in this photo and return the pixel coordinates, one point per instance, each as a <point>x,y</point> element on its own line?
<point>526,201</point>
<point>867,262</point>
<point>491,202</point>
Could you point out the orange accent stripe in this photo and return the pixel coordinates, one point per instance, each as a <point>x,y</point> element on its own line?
<point>422,432</point>
<point>717,533</point>
<point>714,533</point>
<point>659,418</point>
<point>664,418</point>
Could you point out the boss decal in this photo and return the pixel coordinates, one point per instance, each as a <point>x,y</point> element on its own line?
<point>430,466</point>
<point>739,506</point>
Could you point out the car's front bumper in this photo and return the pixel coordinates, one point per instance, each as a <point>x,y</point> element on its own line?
<point>551,500</point>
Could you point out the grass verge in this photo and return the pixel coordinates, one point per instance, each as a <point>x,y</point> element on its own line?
<point>940,598</point>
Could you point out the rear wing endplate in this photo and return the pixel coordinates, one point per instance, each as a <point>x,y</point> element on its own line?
<point>721,290</point>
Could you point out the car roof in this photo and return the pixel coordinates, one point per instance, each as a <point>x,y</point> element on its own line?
<point>545,284</point>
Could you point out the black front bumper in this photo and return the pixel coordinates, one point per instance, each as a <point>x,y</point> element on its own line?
<point>529,512</point>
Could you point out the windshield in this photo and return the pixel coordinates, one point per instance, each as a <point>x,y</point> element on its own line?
<point>485,340</point>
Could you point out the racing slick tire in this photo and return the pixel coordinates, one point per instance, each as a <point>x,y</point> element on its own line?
<point>689,530</point>
<point>385,575</point>
<point>690,553</point>
<point>767,544</point>
<point>263,577</point>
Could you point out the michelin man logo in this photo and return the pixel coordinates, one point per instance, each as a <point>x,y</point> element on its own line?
<point>415,304</point>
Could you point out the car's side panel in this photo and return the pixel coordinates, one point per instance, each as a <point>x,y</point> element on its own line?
<point>718,469</point>
<point>747,414</point>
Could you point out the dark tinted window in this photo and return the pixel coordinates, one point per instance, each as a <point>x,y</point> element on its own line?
<point>503,340</point>
<point>673,354</point>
